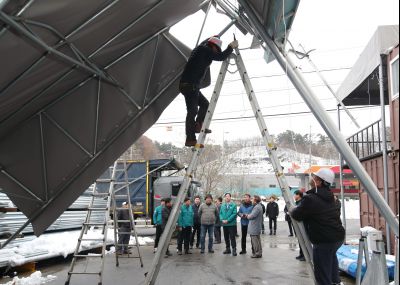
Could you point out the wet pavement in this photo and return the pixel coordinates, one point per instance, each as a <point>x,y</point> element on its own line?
<point>277,266</point>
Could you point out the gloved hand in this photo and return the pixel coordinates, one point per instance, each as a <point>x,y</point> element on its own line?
<point>234,44</point>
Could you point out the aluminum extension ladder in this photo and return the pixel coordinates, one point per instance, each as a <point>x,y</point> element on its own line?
<point>305,244</point>
<point>127,198</point>
<point>110,196</point>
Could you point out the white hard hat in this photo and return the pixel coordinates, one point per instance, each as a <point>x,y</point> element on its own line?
<point>326,174</point>
<point>216,41</point>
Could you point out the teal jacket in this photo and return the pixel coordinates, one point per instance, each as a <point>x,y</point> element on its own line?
<point>186,216</point>
<point>228,212</point>
<point>157,218</point>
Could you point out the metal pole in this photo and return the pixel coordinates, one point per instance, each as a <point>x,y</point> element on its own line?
<point>360,261</point>
<point>396,272</point>
<point>341,182</point>
<point>384,149</point>
<point>325,121</point>
<point>204,22</point>
<point>381,248</point>
<point>224,30</point>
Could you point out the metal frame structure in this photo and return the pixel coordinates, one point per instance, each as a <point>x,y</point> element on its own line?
<point>325,121</point>
<point>198,150</point>
<point>100,74</point>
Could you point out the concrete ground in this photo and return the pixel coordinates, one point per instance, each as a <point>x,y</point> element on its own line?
<point>277,266</point>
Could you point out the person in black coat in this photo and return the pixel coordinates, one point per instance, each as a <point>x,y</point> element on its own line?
<point>165,213</point>
<point>272,213</point>
<point>195,70</point>
<point>196,223</point>
<point>124,229</point>
<point>319,213</point>
<point>262,222</point>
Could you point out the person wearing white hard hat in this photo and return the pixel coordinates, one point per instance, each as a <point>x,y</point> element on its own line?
<point>319,212</point>
<point>192,80</point>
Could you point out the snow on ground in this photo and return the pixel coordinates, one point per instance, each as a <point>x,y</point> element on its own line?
<point>58,244</point>
<point>35,278</point>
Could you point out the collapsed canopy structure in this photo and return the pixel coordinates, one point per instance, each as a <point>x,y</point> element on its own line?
<point>80,82</point>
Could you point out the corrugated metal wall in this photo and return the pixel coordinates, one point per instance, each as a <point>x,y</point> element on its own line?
<point>369,214</point>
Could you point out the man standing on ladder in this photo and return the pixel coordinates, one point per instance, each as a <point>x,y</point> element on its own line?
<point>193,74</point>
<point>124,230</point>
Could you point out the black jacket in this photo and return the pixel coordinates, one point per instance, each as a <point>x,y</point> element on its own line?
<point>272,210</point>
<point>124,215</point>
<point>321,218</point>
<point>165,212</point>
<point>196,217</point>
<point>199,61</point>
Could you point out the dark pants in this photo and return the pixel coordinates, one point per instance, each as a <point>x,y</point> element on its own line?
<point>184,237</point>
<point>196,105</point>
<point>204,230</point>
<point>217,233</point>
<point>326,268</point>
<point>262,226</point>
<point>159,231</point>
<point>270,223</point>
<point>196,231</point>
<point>123,239</point>
<point>244,235</point>
<point>290,225</point>
<point>230,237</point>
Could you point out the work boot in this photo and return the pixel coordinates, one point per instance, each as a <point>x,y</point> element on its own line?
<point>270,233</point>
<point>190,143</point>
<point>234,252</point>
<point>188,252</point>
<point>274,233</point>
<point>198,127</point>
<point>243,252</point>
<point>179,252</point>
<point>227,251</point>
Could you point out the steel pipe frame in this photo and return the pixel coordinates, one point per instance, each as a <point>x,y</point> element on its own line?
<point>204,22</point>
<point>20,184</point>
<point>341,182</point>
<point>22,10</point>
<point>325,121</point>
<point>384,149</point>
<point>92,18</point>
<point>119,133</point>
<point>12,23</point>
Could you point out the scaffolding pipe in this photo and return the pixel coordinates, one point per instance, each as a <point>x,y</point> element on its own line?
<point>325,121</point>
<point>341,183</point>
<point>384,149</point>
<point>204,22</point>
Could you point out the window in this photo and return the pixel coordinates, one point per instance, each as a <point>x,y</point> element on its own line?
<point>394,77</point>
<point>175,189</point>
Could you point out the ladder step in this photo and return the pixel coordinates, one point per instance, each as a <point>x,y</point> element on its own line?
<point>88,256</point>
<point>122,209</point>
<point>97,273</point>
<point>91,239</point>
<point>99,194</point>
<point>122,221</point>
<point>121,195</point>
<point>94,224</point>
<point>125,233</point>
<point>97,209</point>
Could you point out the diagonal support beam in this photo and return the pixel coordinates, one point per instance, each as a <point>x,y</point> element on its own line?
<point>325,121</point>
<point>12,23</point>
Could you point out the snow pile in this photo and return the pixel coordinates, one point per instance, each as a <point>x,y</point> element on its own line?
<point>59,244</point>
<point>35,278</point>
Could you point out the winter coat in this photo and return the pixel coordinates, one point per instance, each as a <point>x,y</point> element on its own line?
<point>165,215</point>
<point>263,207</point>
<point>255,220</point>
<point>208,214</point>
<point>199,61</point>
<point>321,218</point>
<point>124,215</point>
<point>228,212</point>
<point>287,215</point>
<point>218,221</point>
<point>157,218</point>
<point>186,216</point>
<point>244,209</point>
<point>272,210</point>
<point>196,218</point>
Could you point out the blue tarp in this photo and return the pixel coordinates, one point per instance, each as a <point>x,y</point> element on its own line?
<point>347,256</point>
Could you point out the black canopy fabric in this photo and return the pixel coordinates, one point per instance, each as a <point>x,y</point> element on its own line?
<point>80,82</point>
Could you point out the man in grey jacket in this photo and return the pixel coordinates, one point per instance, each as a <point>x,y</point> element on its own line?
<point>208,214</point>
<point>254,227</point>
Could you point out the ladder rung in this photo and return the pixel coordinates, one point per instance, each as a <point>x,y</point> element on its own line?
<point>97,209</point>
<point>94,224</point>
<point>122,209</point>
<point>91,239</point>
<point>97,273</point>
<point>88,256</point>
<point>99,194</point>
<point>123,221</point>
<point>124,232</point>
<point>121,195</point>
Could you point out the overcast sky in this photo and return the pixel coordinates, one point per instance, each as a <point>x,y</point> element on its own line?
<point>337,30</point>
